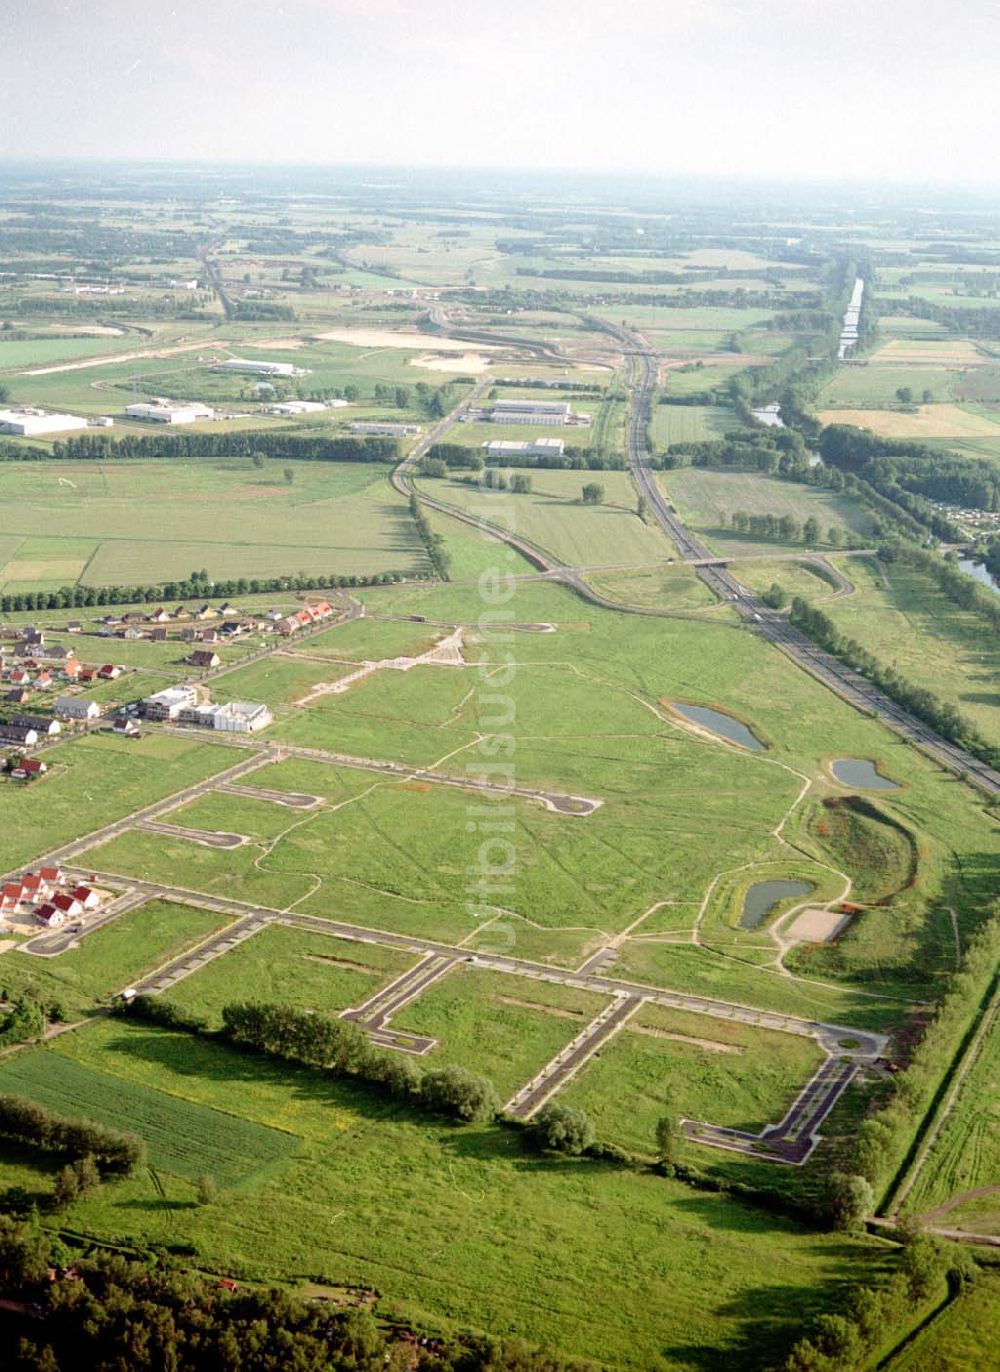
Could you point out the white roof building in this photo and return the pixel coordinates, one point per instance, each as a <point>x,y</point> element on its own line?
<point>376,426</point>
<point>532,447</point>
<point>162,411</point>
<point>169,703</point>
<point>242,364</point>
<point>296,407</point>
<point>76,707</point>
<point>27,422</point>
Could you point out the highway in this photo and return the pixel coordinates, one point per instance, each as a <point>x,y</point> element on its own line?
<point>842,680</point>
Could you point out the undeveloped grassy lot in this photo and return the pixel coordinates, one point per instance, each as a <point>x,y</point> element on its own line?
<point>690,423</point>
<point>667,1062</point>
<point>702,495</point>
<point>131,522</point>
<point>372,1193</point>
<point>554,516</point>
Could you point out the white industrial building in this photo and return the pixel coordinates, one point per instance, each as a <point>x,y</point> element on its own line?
<point>544,412</point>
<point>375,426</point>
<point>237,716</point>
<point>533,447</point>
<point>162,411</point>
<point>242,364</point>
<point>296,407</point>
<point>100,421</point>
<point>30,423</point>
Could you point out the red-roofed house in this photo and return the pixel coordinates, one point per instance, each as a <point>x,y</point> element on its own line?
<point>70,669</point>
<point>68,904</point>
<point>34,887</point>
<point>88,898</point>
<point>53,875</point>
<point>109,672</point>
<point>28,768</point>
<point>50,915</point>
<point>11,896</point>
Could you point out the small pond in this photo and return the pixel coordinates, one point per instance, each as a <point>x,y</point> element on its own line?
<point>859,772</point>
<point>719,723</point>
<point>763,896</point>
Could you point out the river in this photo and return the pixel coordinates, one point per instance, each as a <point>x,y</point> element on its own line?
<point>849,328</point>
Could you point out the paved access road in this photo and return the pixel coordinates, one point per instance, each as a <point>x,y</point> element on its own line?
<point>59,857</point>
<point>793,1138</point>
<point>831,1037</point>
<point>849,685</point>
<point>568,1061</point>
<point>208,838</point>
<point>68,936</point>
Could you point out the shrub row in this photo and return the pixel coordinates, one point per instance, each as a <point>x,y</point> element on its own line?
<point>117,1154</point>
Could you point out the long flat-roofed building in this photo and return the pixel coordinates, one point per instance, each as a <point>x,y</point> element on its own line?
<point>169,411</point>
<point>532,447</point>
<point>543,412</point>
<point>26,422</point>
<point>262,368</point>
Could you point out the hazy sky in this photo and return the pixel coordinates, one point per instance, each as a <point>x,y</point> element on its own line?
<point>906,89</point>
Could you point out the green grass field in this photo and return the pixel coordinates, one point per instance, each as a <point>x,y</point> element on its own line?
<point>108,959</point>
<point>963,1336</point>
<point>701,496</point>
<point>187,1140</point>
<point>554,516</point>
<point>156,521</point>
<point>365,1191</point>
<point>666,1062</point>
<point>690,423</point>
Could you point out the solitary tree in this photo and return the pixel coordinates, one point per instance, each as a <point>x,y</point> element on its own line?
<point>849,1199</point>
<point>289,474</point>
<point>454,1091</point>
<point>208,1192</point>
<point>810,530</point>
<point>562,1129</point>
<point>904,394</point>
<point>775,597</point>
<point>668,1139</point>
<point>641,507</point>
<point>834,535</point>
<point>520,483</point>
<point>593,493</point>
<point>257,459</point>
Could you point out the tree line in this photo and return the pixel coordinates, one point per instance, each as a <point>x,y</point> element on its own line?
<point>101,447</point>
<point>784,527</point>
<point>197,586</point>
<point>115,1154</point>
<point>437,552</point>
<point>455,455</point>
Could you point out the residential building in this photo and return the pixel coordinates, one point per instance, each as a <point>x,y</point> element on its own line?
<point>28,768</point>
<point>76,707</point>
<point>50,915</point>
<point>109,672</point>
<point>86,896</point>
<point>45,725</point>
<point>239,717</point>
<point>168,704</point>
<point>16,735</point>
<point>204,658</point>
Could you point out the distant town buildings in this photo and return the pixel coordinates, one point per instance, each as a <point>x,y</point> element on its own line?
<point>27,422</point>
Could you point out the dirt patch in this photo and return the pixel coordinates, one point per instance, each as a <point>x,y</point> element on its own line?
<point>713,1045</point>
<point>816,926</point>
<point>6,943</point>
<point>392,338</point>
<point>473,363</point>
<point>545,1009</point>
<point>342,962</point>
<point>283,344</point>
<point>203,346</point>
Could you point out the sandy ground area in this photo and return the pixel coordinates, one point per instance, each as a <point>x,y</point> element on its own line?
<point>391,338</point>
<point>283,344</point>
<point>815,926</point>
<point>447,652</point>
<point>98,330</point>
<point>928,421</point>
<point>473,363</point>
<point>6,943</point>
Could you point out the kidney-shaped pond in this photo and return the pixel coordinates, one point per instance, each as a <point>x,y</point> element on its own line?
<point>763,896</point>
<point>724,725</point>
<point>859,772</point>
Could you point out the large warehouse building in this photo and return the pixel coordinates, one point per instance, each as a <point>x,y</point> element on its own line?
<point>534,447</point>
<point>543,412</point>
<point>169,411</point>
<point>30,423</point>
